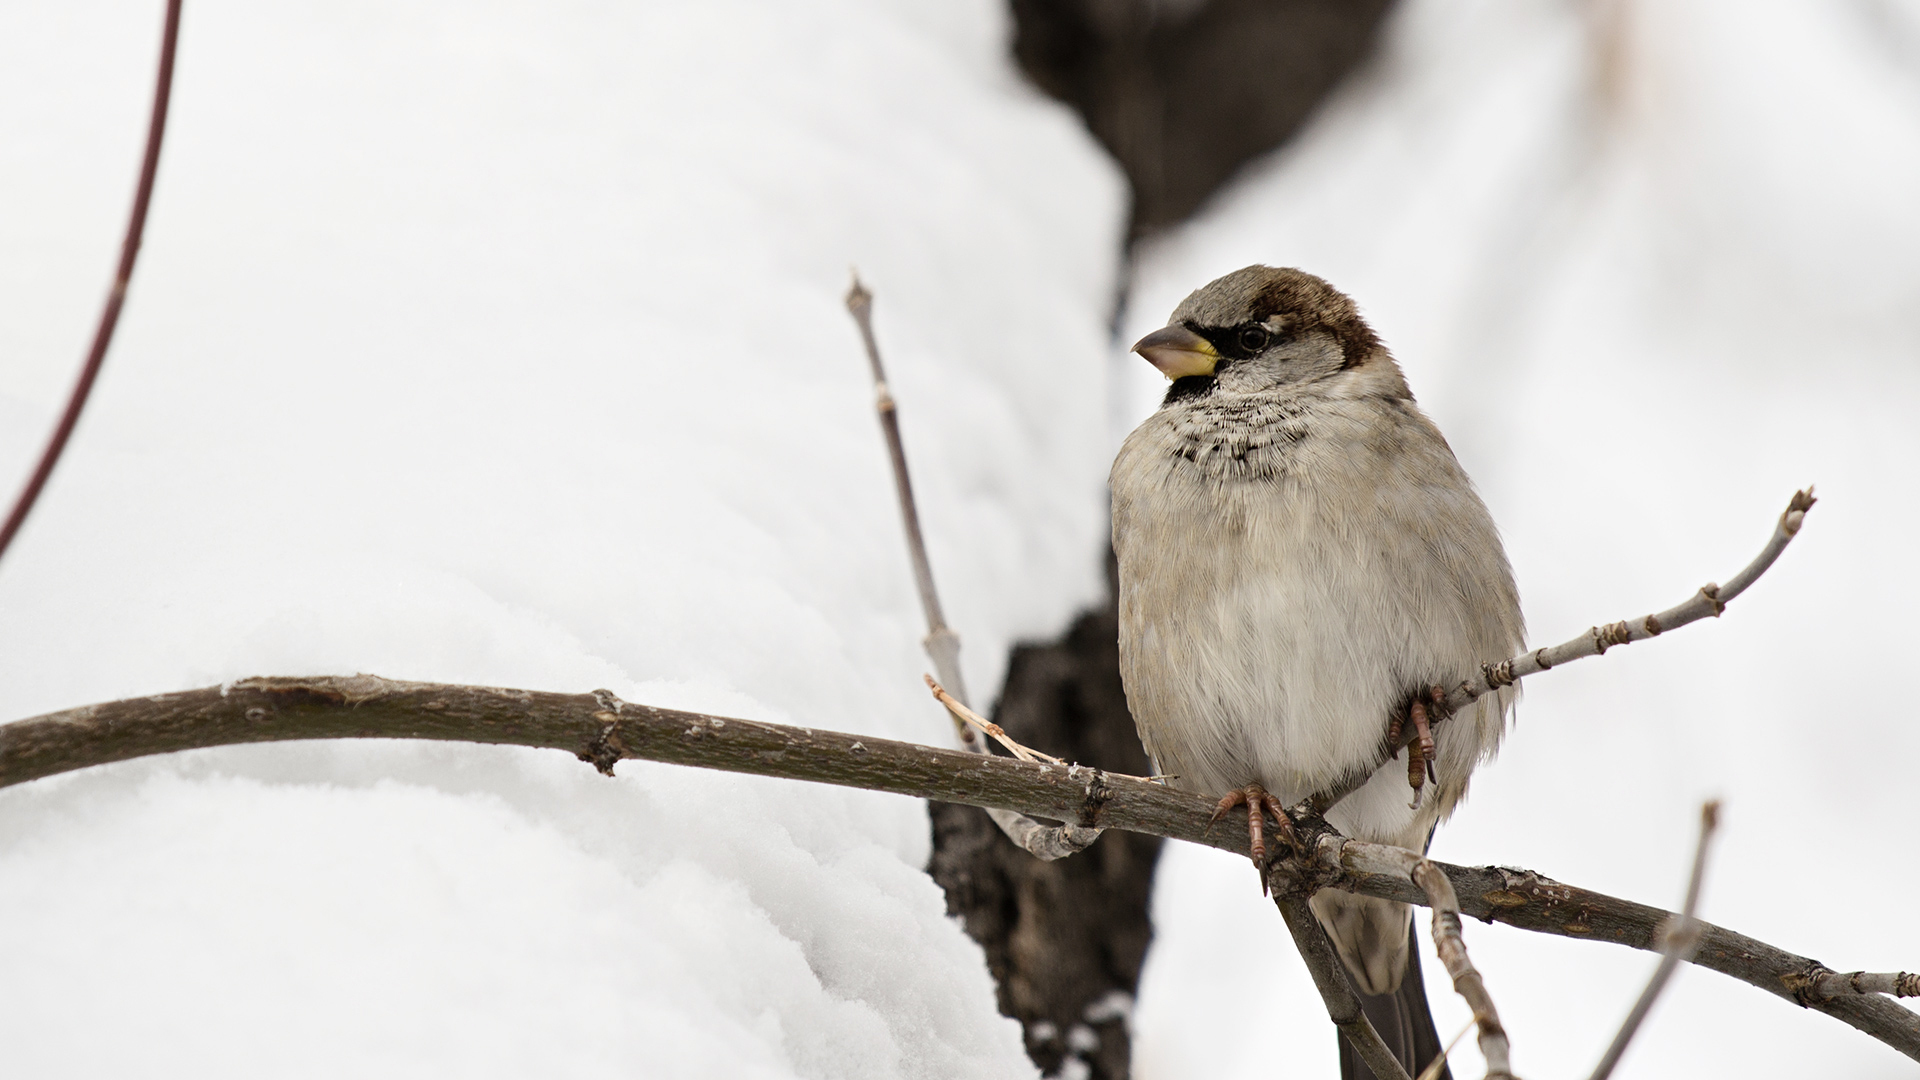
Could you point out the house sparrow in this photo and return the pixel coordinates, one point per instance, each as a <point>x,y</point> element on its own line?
<point>1301,561</point>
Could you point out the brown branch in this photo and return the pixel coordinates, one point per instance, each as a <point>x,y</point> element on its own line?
<point>1330,978</point>
<point>1710,600</point>
<point>116,296</point>
<point>1529,901</point>
<point>1683,937</point>
<point>601,729</point>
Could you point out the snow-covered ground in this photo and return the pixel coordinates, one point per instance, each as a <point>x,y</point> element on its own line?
<point>1650,272</point>
<point>503,343</point>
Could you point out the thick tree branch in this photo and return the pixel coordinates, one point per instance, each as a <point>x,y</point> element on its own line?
<point>1710,600</point>
<point>116,295</point>
<point>601,729</point>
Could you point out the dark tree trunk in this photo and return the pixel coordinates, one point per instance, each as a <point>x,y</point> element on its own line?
<point>1184,93</point>
<point>1064,939</point>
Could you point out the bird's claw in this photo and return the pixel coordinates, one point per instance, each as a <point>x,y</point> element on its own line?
<point>1420,752</point>
<point>1258,799</point>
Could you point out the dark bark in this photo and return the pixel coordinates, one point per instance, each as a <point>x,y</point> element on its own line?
<point>1183,95</point>
<point>1064,939</point>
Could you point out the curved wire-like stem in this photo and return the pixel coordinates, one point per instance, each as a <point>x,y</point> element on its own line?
<point>116,295</point>
<point>1710,600</point>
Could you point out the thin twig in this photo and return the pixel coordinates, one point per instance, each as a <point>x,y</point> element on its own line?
<point>1047,842</point>
<point>1431,878</point>
<point>1832,984</point>
<point>1683,937</point>
<point>116,296</point>
<point>1432,1071</point>
<point>941,643</point>
<point>1452,950</point>
<point>1710,600</point>
<point>1343,1008</point>
<point>601,729</point>
<point>987,727</point>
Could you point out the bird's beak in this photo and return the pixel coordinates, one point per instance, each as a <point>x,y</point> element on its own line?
<point>1178,352</point>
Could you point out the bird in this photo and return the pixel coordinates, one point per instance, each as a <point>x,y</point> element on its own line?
<point>1302,564</point>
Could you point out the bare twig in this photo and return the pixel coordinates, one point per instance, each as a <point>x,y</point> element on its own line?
<point>116,296</point>
<point>1452,949</point>
<point>1710,600</point>
<point>1331,980</point>
<point>1831,984</point>
<point>1683,937</point>
<point>942,644</point>
<point>987,727</point>
<point>1432,1071</point>
<point>1439,895</point>
<point>601,729</point>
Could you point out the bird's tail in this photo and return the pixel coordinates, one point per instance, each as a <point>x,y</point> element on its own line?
<point>1404,1021</point>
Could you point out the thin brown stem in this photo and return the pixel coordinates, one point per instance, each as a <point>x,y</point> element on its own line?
<point>942,644</point>
<point>1710,600</point>
<point>1683,937</point>
<point>1438,893</point>
<point>116,296</point>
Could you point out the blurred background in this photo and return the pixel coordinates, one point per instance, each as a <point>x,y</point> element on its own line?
<point>503,343</point>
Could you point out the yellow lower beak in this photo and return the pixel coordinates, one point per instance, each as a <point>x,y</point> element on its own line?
<point>1178,352</point>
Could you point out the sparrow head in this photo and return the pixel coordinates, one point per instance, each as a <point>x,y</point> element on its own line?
<point>1258,329</point>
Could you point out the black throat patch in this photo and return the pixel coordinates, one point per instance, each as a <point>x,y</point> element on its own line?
<point>1187,388</point>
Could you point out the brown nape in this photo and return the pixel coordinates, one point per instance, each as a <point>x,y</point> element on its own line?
<point>1311,304</point>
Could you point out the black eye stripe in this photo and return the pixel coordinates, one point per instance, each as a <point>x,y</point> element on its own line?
<point>1237,342</point>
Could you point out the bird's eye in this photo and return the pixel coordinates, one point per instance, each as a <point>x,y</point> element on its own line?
<point>1254,338</point>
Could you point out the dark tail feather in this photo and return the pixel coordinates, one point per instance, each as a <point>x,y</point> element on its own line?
<point>1404,1022</point>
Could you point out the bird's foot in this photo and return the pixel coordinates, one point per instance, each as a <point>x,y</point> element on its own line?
<point>1259,802</point>
<point>1420,752</point>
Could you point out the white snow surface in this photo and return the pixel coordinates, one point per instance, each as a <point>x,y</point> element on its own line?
<point>504,343</point>
<point>1650,271</point>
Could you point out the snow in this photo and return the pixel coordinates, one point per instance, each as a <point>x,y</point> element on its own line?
<point>1649,280</point>
<point>503,343</point>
